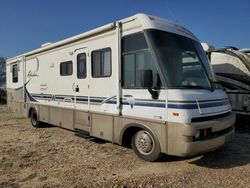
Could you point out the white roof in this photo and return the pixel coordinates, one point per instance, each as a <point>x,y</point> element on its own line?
<point>153,22</point>
<point>245,50</point>
<point>147,22</point>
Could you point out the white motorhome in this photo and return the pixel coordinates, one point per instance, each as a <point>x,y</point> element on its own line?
<point>142,81</point>
<point>232,68</point>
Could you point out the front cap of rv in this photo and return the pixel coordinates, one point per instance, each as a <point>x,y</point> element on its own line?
<point>183,105</point>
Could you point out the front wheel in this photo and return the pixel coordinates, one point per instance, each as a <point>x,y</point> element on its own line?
<point>34,118</point>
<point>146,146</point>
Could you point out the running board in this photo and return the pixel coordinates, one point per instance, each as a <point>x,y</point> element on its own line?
<point>81,133</point>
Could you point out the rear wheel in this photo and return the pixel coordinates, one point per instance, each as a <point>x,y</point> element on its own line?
<point>34,118</point>
<point>146,146</point>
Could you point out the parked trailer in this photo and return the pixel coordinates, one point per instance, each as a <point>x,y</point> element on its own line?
<point>232,68</point>
<point>246,51</point>
<point>142,81</point>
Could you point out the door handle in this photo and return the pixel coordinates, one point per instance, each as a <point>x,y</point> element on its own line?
<point>77,88</point>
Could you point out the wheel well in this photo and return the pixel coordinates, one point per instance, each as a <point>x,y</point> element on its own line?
<point>127,136</point>
<point>30,110</point>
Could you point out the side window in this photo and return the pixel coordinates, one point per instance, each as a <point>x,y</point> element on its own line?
<point>66,68</point>
<point>15,73</point>
<point>81,66</point>
<point>101,63</point>
<point>136,57</point>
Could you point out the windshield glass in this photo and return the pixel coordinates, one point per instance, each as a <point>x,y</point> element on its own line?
<point>182,60</point>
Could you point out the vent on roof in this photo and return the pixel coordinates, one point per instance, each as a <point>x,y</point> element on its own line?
<point>46,44</point>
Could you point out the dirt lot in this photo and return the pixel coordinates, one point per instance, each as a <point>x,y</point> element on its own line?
<point>54,157</point>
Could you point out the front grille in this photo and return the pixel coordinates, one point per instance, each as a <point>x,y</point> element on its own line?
<point>207,118</point>
<point>221,132</point>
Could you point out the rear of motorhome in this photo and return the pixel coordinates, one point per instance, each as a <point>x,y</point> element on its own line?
<point>232,68</point>
<point>142,81</point>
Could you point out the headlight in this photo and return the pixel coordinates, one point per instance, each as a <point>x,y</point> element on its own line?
<point>202,134</point>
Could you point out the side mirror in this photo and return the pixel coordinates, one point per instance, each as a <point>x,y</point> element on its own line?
<point>147,82</point>
<point>147,78</point>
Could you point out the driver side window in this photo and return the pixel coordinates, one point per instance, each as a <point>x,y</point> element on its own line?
<point>136,57</point>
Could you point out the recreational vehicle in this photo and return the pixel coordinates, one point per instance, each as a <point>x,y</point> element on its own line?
<point>246,51</point>
<point>143,82</point>
<point>232,68</point>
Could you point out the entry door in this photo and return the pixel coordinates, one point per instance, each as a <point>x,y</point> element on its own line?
<point>81,89</point>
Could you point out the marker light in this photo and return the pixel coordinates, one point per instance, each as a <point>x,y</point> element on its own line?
<point>175,114</point>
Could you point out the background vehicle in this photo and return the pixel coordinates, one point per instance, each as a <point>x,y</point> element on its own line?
<point>232,68</point>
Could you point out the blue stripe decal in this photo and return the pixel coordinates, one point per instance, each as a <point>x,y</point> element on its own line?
<point>139,102</point>
<point>42,97</point>
<point>96,100</point>
<point>180,106</point>
<point>111,102</point>
<point>200,101</point>
<point>31,98</point>
<point>194,106</point>
<point>207,105</point>
<point>82,99</point>
<point>158,105</point>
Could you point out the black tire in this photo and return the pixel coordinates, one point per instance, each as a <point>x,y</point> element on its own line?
<point>146,146</point>
<point>34,119</point>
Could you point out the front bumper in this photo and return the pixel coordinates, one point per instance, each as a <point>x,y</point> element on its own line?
<point>181,140</point>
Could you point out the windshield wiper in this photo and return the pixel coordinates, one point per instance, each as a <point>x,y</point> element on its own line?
<point>196,87</point>
<point>216,82</point>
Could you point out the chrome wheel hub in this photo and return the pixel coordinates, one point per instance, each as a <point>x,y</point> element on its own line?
<point>144,142</point>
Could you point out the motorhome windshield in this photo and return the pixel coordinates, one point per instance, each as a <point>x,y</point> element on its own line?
<point>182,60</point>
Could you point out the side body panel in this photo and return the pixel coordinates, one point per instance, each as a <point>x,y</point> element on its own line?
<point>93,109</point>
<point>15,91</point>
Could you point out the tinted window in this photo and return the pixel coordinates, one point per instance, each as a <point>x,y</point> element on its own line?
<point>183,65</point>
<point>134,42</point>
<point>66,68</point>
<point>136,57</point>
<point>14,73</point>
<point>81,65</point>
<point>101,63</point>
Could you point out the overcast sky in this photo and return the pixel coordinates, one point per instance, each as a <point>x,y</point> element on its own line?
<point>26,24</point>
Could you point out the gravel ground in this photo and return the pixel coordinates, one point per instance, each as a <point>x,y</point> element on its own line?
<point>54,157</point>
